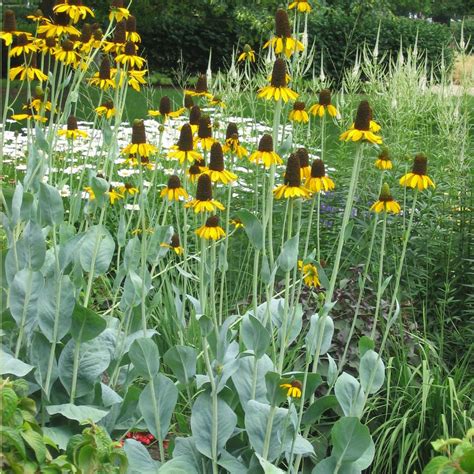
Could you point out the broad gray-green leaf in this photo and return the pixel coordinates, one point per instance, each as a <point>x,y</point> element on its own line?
<point>12,366</point>
<point>321,405</point>
<point>350,395</point>
<point>268,467</point>
<point>256,420</point>
<point>350,439</point>
<point>60,435</point>
<point>289,254</point>
<point>332,370</point>
<point>202,424</point>
<point>55,307</point>
<point>40,353</point>
<point>81,413</point>
<point>97,250</point>
<point>294,322</point>
<point>253,228</point>
<point>314,334</point>
<point>157,402</point>
<point>185,448</point>
<point>178,465</point>
<point>94,359</point>
<point>182,361</point>
<point>255,336</point>
<point>139,459</point>
<point>86,324</point>
<point>154,249</point>
<point>31,248</point>
<point>132,254</point>
<point>249,379</point>
<point>50,205</point>
<point>365,344</point>
<point>371,372</point>
<point>145,357</point>
<point>24,293</point>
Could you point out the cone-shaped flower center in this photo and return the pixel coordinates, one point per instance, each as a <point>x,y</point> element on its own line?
<point>116,4</point>
<point>201,84</point>
<point>317,169</point>
<point>72,123</point>
<point>138,132</point>
<point>61,19</point>
<point>130,49</point>
<point>22,40</point>
<point>165,105</point>
<point>9,21</point>
<point>293,171</point>
<point>67,45</point>
<point>420,164</point>
<point>266,143</point>
<point>212,221</point>
<point>194,115</point>
<point>185,142</point>
<point>325,97</point>
<point>188,101</point>
<point>205,130</point>
<point>50,42</point>
<point>282,24</point>
<point>174,182</point>
<point>216,163</point>
<point>279,73</point>
<point>364,114</point>
<point>204,188</point>
<point>385,194</point>
<point>104,71</point>
<point>298,105</point>
<point>231,131</point>
<point>297,384</point>
<point>120,32</point>
<point>384,154</point>
<point>175,241</point>
<point>303,156</point>
<point>86,33</point>
<point>194,169</point>
<point>131,24</point>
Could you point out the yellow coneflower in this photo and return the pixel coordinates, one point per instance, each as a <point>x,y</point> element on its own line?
<point>194,117</point>
<point>217,102</point>
<point>74,9</point>
<point>201,162</point>
<point>418,177</point>
<point>23,46</point>
<point>118,11</point>
<point>283,42</point>
<point>58,27</point>
<point>211,229</point>
<point>90,193</point>
<point>298,113</point>
<point>323,105</point>
<point>37,16</point>
<point>278,87</point>
<point>361,130</point>
<point>194,172</point>
<point>174,245</point>
<point>310,274</point>
<point>10,28</point>
<point>383,160</point>
<point>201,88</point>
<point>293,389</point>
<point>107,109</point>
<point>204,134</point>
<point>237,223</point>
<point>216,170</point>
<point>203,201</point>
<point>248,54</point>
<point>72,130</point>
<point>127,188</point>
<point>131,30</point>
<point>386,203</point>
<point>139,145</point>
<point>114,195</point>
<point>265,153</point>
<point>103,78</point>
<point>66,54</point>
<point>129,57</point>
<point>174,191</point>
<point>165,110</point>
<point>28,71</point>
<point>119,39</point>
<point>292,187</point>
<point>184,149</point>
<point>28,116</point>
<point>97,36</point>
<point>303,157</point>
<point>38,103</point>
<point>86,41</point>
<point>318,181</point>
<point>136,78</point>
<point>302,6</point>
<point>47,45</point>
<point>232,142</point>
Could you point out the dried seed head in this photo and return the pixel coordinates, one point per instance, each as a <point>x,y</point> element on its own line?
<point>72,123</point>
<point>185,142</point>
<point>86,33</point>
<point>131,24</point>
<point>298,105</point>
<point>385,194</point>
<point>201,84</point>
<point>188,101</point>
<point>279,73</point>
<point>293,171</point>
<point>303,156</point>
<point>194,114</point>
<point>120,32</point>
<point>204,188</point>
<point>282,24</point>
<point>212,221</point>
<point>364,114</point>
<point>231,131</point>
<point>325,97</point>
<point>104,71</point>
<point>266,143</point>
<point>205,129</point>
<point>216,163</point>
<point>67,45</point>
<point>420,164</point>
<point>174,182</point>
<point>130,49</point>
<point>138,132</point>
<point>9,21</point>
<point>175,241</point>
<point>317,169</point>
<point>165,105</point>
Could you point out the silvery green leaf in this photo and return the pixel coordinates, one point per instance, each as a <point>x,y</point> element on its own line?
<point>132,254</point>
<point>50,205</point>
<point>253,228</point>
<point>350,439</point>
<point>255,335</point>
<point>332,371</point>
<point>162,234</point>
<point>314,336</point>
<point>82,413</point>
<point>289,254</point>
<point>122,231</point>
<point>185,448</point>
<point>139,459</point>
<point>350,395</point>
<point>12,366</point>
<point>86,324</point>
<point>16,204</point>
<point>178,465</point>
<point>145,357</point>
<point>31,248</point>
<point>182,361</point>
<point>268,467</point>
<point>294,322</point>
<point>231,464</point>
<point>371,372</point>
<point>40,353</point>
<point>96,250</point>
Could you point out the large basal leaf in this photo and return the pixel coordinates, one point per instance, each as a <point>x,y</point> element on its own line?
<point>55,307</point>
<point>314,334</point>
<point>253,228</point>
<point>10,365</point>
<point>145,357</point>
<point>202,424</point>
<point>289,254</point>
<point>350,395</point>
<point>40,353</point>
<point>96,250</point>
<point>50,205</point>
<point>82,413</point>
<point>86,324</point>
<point>255,336</point>
<point>139,459</point>
<point>31,248</point>
<point>371,371</point>
<point>182,361</point>
<point>157,402</point>
<point>350,439</point>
